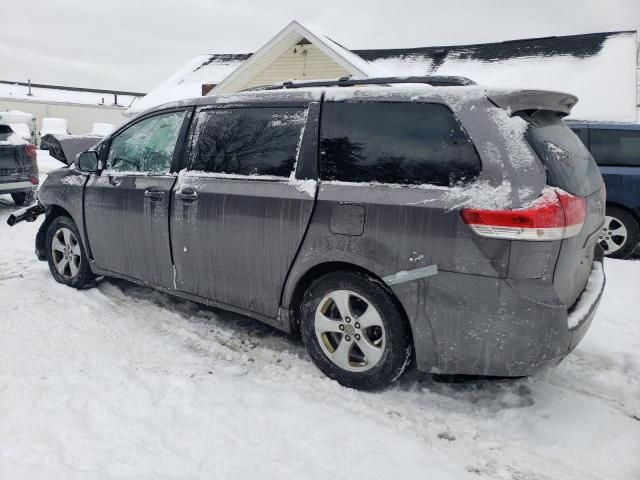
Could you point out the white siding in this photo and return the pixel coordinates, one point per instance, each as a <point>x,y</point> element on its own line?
<point>302,62</point>
<point>80,117</point>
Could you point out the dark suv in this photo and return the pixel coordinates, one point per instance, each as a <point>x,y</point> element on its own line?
<point>18,167</point>
<point>451,226</point>
<point>616,149</point>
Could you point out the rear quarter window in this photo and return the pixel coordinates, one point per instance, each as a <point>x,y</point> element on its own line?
<point>568,162</point>
<point>395,143</point>
<point>615,147</point>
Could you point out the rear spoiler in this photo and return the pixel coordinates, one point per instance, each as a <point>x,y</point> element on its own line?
<point>523,100</point>
<point>65,147</point>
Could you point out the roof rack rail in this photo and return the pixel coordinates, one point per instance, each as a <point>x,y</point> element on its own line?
<point>433,80</point>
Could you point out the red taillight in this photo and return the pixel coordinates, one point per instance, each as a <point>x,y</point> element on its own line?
<point>31,151</point>
<point>554,216</point>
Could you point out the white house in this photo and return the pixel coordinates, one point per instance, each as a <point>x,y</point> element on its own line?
<point>82,107</point>
<point>602,69</point>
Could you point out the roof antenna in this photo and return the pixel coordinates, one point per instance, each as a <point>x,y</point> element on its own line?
<point>29,85</point>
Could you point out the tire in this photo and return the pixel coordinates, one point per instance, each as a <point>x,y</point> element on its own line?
<point>620,233</point>
<point>23,198</point>
<point>337,340</point>
<point>66,256</point>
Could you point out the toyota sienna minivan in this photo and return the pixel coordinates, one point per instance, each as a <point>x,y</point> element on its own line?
<point>390,222</point>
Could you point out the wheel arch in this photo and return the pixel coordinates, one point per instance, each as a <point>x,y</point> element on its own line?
<point>324,268</point>
<point>53,212</point>
<point>629,210</point>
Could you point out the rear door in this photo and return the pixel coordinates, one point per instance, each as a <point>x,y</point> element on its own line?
<point>570,167</point>
<point>238,216</point>
<point>127,205</point>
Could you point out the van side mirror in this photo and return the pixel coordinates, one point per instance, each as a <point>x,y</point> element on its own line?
<point>87,162</point>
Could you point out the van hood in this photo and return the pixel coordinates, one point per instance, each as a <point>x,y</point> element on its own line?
<point>66,147</point>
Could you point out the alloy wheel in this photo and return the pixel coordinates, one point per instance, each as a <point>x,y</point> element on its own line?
<point>65,249</point>
<point>350,331</point>
<point>613,235</point>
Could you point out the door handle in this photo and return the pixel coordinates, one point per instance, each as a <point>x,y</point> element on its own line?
<point>153,193</point>
<point>187,195</point>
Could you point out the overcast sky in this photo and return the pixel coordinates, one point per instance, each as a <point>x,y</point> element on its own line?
<point>135,44</point>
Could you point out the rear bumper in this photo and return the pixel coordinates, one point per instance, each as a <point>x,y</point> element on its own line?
<point>580,317</point>
<point>475,325</point>
<point>16,187</point>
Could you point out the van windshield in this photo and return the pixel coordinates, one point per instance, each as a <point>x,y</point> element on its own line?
<point>569,164</point>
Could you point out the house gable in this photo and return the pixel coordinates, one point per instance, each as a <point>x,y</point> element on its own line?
<point>294,53</point>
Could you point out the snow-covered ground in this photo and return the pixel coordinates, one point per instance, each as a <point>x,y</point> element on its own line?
<point>123,382</point>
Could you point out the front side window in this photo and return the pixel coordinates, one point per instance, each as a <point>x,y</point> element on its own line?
<point>248,141</point>
<point>398,143</point>
<point>615,147</point>
<point>147,146</point>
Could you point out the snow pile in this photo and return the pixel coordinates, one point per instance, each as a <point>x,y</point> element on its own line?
<point>120,381</point>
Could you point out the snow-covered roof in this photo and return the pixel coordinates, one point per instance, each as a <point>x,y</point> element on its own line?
<point>187,82</point>
<point>36,92</point>
<point>600,68</point>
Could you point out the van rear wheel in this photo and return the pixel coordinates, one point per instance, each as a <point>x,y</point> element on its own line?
<point>620,233</point>
<point>354,331</point>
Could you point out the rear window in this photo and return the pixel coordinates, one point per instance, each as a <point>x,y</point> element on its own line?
<point>569,164</point>
<point>615,147</point>
<point>397,143</point>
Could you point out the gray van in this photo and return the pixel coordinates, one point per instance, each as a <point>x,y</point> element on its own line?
<point>436,224</point>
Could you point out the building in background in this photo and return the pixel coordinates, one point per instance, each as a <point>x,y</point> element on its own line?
<point>81,107</point>
<point>602,69</point>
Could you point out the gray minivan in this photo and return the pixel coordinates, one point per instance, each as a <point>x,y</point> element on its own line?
<point>437,223</point>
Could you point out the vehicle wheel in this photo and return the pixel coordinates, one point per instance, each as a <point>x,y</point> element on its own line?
<point>619,236</point>
<point>66,255</point>
<point>354,331</point>
<point>23,198</point>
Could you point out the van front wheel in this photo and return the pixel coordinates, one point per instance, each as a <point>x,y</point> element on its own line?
<point>68,261</point>
<point>354,331</point>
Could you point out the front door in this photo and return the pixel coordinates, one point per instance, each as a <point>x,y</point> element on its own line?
<point>238,217</point>
<point>127,205</point>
